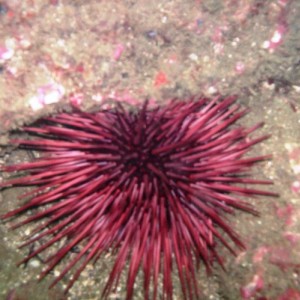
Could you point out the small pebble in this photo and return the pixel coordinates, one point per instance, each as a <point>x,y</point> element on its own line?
<point>151,34</point>
<point>212,90</point>
<point>34,263</point>
<point>193,57</point>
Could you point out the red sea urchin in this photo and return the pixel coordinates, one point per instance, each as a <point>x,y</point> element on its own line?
<point>152,185</point>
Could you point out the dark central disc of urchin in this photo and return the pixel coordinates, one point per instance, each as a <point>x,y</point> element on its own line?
<point>153,186</point>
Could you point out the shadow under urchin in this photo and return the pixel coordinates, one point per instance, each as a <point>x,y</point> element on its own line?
<point>153,186</point>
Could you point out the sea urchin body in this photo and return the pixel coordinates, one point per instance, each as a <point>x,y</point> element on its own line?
<point>152,185</point>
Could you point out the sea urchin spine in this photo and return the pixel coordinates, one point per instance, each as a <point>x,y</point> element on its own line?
<point>152,185</point>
